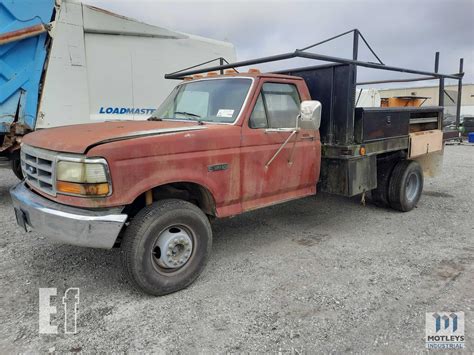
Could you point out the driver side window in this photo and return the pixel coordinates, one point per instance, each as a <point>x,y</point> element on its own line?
<point>258,119</point>
<point>277,106</point>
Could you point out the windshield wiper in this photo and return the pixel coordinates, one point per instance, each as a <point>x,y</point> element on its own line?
<point>187,114</point>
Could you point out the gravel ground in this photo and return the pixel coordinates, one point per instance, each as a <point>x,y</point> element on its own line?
<point>321,274</point>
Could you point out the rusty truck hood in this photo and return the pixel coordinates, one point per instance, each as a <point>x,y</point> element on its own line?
<point>79,138</point>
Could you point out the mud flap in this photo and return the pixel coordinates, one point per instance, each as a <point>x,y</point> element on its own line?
<point>21,219</point>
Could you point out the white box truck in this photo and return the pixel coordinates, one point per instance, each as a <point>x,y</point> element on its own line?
<point>67,63</point>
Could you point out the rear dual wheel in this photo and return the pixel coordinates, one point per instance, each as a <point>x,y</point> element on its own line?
<point>166,246</point>
<point>399,185</point>
<point>406,185</point>
<point>380,194</point>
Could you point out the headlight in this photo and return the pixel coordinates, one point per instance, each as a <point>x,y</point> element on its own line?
<point>81,172</point>
<point>83,178</point>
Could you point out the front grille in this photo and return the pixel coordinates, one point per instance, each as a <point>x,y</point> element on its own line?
<point>39,168</point>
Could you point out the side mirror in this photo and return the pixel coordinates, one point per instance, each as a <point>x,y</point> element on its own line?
<point>310,115</point>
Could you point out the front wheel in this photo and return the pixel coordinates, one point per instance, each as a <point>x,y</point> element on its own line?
<point>406,185</point>
<point>16,164</point>
<point>166,246</point>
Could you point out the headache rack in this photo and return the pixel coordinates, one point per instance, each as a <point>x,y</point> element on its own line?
<point>346,128</point>
<point>337,81</point>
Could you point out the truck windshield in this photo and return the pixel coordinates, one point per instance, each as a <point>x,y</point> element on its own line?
<point>213,100</point>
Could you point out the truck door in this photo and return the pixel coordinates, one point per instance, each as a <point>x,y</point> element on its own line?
<point>271,173</point>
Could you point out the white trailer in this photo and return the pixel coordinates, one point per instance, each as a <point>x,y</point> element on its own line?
<point>368,98</point>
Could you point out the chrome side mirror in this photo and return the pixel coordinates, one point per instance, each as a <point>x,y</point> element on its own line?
<point>310,115</point>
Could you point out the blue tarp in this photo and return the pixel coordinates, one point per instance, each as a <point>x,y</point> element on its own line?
<point>21,62</point>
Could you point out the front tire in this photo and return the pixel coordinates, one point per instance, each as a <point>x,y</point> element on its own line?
<point>16,164</point>
<point>406,185</point>
<point>166,246</point>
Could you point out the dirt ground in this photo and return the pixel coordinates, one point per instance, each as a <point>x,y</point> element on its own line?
<point>321,274</point>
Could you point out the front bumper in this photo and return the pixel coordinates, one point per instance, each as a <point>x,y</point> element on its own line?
<point>65,224</point>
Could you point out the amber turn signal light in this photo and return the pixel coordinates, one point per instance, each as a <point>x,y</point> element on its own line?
<point>254,71</point>
<point>101,189</point>
<point>362,151</point>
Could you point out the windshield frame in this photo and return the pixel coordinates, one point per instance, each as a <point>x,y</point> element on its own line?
<point>247,97</point>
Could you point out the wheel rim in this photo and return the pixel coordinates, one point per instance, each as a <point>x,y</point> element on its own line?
<point>412,187</point>
<point>173,248</point>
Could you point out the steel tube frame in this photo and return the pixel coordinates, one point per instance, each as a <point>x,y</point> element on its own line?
<point>301,53</point>
<point>274,58</point>
<point>396,80</point>
<point>373,65</point>
<point>458,103</point>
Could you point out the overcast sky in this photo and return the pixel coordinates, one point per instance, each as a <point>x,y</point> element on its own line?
<point>402,32</point>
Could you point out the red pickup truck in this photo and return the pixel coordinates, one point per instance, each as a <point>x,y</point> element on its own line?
<point>218,146</point>
<point>167,177</point>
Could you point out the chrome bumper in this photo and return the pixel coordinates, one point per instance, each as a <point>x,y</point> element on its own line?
<point>65,224</point>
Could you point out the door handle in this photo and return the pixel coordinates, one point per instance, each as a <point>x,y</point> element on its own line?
<point>307,137</point>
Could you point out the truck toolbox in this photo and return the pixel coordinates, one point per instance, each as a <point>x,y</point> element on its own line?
<point>348,177</point>
<point>377,123</point>
<point>425,142</point>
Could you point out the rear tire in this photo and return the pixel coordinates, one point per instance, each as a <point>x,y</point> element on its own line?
<point>406,185</point>
<point>151,230</point>
<point>380,194</point>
